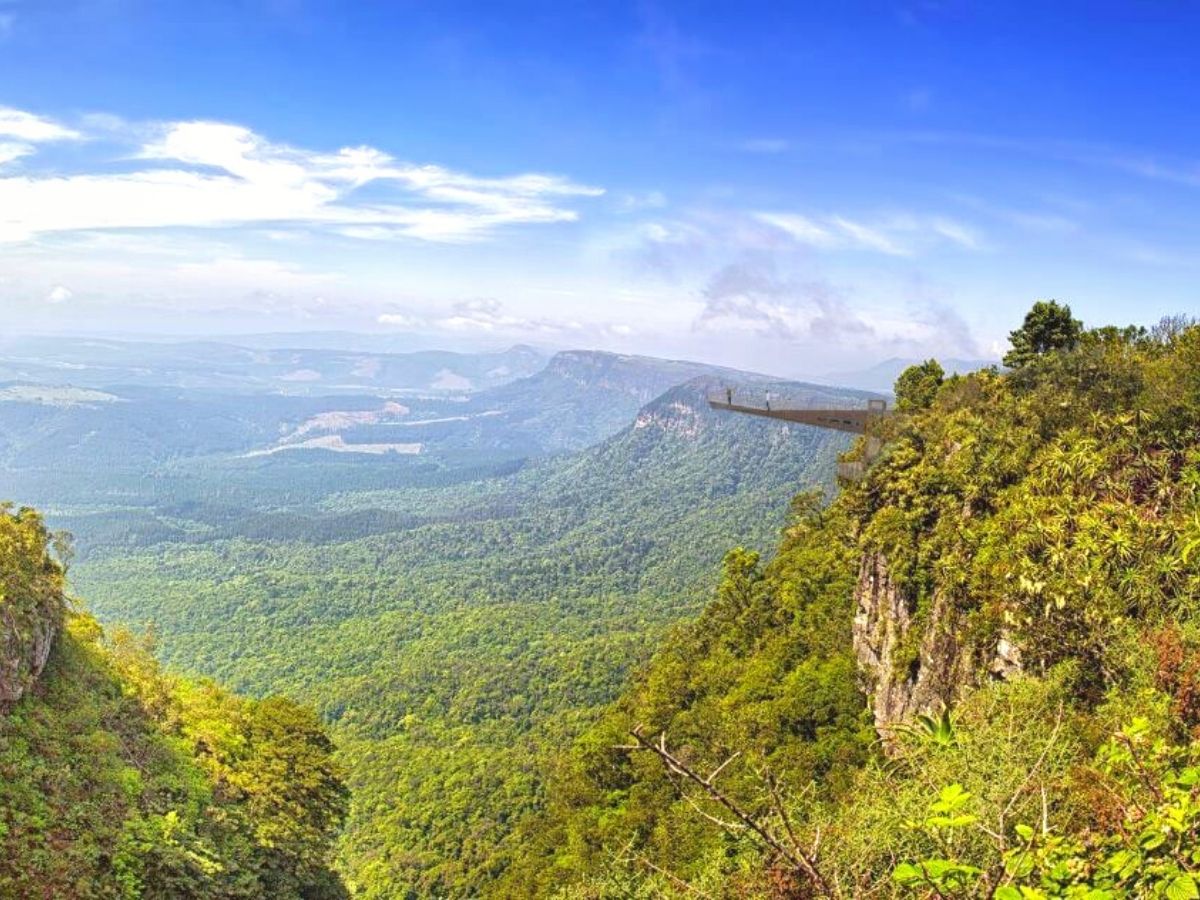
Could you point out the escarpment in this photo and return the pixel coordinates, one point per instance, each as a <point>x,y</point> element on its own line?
<point>912,663</point>
<point>25,644</point>
<point>31,602</point>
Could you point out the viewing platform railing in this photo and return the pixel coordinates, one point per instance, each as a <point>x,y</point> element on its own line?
<point>815,411</point>
<point>805,411</point>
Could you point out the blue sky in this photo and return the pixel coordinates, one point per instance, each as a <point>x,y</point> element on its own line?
<point>795,187</point>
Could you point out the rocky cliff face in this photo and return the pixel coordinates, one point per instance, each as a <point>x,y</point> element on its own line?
<point>25,643</point>
<point>911,667</point>
<point>32,604</point>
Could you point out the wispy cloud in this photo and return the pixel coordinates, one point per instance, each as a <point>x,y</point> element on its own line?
<point>1039,220</point>
<point>637,201</point>
<point>25,126</point>
<point>1131,161</point>
<point>487,316</point>
<point>213,174</point>
<point>945,331</point>
<point>481,315</point>
<point>756,296</point>
<point>1178,172</point>
<point>752,295</point>
<point>757,278</point>
<point>893,235</point>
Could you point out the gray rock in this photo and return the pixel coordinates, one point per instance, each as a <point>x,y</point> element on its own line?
<point>25,646</point>
<point>910,666</point>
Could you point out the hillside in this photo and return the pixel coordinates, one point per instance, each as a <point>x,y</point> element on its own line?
<point>117,780</point>
<point>117,454</point>
<point>506,611</point>
<point>973,675</point>
<point>583,396</point>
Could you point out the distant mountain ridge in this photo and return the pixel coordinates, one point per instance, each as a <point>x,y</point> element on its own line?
<point>583,396</point>
<point>882,376</point>
<point>106,363</point>
<point>250,463</point>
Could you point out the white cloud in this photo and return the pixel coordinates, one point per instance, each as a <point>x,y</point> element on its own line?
<point>893,235</point>
<point>481,315</point>
<point>803,229</point>
<point>954,232</point>
<point>12,150</point>
<point>1044,220</point>
<point>213,174</point>
<point>489,317</point>
<point>754,296</point>
<point>761,286</point>
<point>59,294</point>
<point>868,237</point>
<point>24,126</point>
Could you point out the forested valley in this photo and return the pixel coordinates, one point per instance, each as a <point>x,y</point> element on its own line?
<point>447,613</point>
<point>631,647</point>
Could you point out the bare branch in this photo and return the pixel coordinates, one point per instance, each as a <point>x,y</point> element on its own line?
<point>1037,765</point>
<point>777,802</point>
<point>1142,774</point>
<point>729,826</point>
<point>798,859</point>
<point>717,771</point>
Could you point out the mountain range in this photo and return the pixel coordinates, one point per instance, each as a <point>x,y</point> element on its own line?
<point>103,362</point>
<point>450,574</point>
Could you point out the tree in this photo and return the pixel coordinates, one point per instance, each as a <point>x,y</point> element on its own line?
<point>294,792</point>
<point>1048,327</point>
<point>918,385</point>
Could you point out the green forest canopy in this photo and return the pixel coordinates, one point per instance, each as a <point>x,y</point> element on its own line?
<point>1054,506</point>
<point>119,780</point>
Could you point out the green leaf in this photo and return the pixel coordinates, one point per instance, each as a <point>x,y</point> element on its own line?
<point>1151,839</point>
<point>907,874</point>
<point>1182,887</point>
<point>952,797</point>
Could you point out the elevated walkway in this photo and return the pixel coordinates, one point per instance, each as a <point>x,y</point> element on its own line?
<point>855,420</point>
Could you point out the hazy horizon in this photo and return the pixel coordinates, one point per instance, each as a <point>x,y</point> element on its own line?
<point>402,343</point>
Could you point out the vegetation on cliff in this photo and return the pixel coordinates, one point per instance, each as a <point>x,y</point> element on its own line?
<point>1032,540</point>
<point>119,780</point>
<point>974,674</point>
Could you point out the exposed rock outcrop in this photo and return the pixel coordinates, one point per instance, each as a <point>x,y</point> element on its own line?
<point>911,666</point>
<point>25,644</point>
